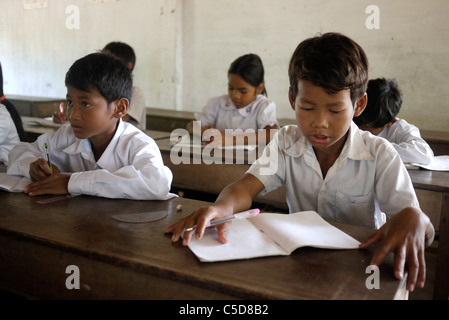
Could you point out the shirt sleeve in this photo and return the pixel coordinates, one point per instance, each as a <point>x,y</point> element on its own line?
<point>209,113</point>
<point>394,187</point>
<point>144,178</point>
<point>411,147</point>
<point>267,116</point>
<point>269,168</point>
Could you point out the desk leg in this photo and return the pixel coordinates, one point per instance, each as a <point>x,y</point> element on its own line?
<point>441,290</point>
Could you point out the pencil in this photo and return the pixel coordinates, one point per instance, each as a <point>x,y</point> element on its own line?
<point>48,158</point>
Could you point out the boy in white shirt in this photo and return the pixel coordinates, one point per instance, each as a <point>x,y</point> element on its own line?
<point>137,114</point>
<point>379,118</point>
<point>108,157</point>
<point>8,134</point>
<point>330,166</point>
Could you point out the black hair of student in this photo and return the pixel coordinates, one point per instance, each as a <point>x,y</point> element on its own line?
<point>12,111</point>
<point>331,61</point>
<point>384,103</point>
<point>121,51</point>
<point>101,72</point>
<point>250,68</point>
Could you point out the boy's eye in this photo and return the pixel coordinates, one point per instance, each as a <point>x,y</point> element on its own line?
<point>335,111</point>
<point>306,108</point>
<point>69,103</point>
<point>85,105</point>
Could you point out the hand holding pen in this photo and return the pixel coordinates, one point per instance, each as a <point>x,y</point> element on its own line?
<point>42,168</point>
<point>203,218</point>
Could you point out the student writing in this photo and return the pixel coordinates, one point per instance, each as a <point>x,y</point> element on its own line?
<point>380,118</point>
<point>106,156</point>
<point>246,105</point>
<point>136,112</point>
<point>330,166</point>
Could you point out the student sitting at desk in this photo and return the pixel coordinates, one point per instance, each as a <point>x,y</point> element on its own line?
<point>379,118</point>
<point>329,165</point>
<point>108,157</point>
<point>246,105</point>
<point>8,134</point>
<point>137,111</point>
<point>14,115</point>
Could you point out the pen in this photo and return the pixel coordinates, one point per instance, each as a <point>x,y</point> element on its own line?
<point>238,216</point>
<point>48,157</point>
<point>61,107</point>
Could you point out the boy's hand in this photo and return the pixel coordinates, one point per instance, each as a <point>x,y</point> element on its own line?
<point>59,117</point>
<point>406,234</point>
<point>39,170</point>
<point>53,184</point>
<point>201,219</point>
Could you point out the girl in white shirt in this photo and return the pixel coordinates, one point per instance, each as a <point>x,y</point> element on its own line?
<point>105,156</point>
<point>245,107</point>
<point>379,118</point>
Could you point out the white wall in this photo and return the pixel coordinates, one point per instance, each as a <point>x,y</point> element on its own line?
<point>184,47</point>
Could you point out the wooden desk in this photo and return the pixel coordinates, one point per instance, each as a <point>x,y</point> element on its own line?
<point>137,261</point>
<point>35,126</point>
<point>437,183</point>
<point>35,106</point>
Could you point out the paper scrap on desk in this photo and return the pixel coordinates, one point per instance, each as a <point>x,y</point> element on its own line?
<point>140,217</point>
<point>438,163</point>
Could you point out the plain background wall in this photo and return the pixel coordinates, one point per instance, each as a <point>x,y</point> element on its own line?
<point>184,47</point>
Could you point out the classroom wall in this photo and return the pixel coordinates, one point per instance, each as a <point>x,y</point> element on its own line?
<point>184,47</point>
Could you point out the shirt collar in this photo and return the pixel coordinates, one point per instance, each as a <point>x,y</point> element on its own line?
<point>83,147</point>
<point>245,111</point>
<point>296,145</point>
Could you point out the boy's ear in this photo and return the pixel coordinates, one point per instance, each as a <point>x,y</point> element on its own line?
<point>291,98</point>
<point>121,107</point>
<point>360,105</point>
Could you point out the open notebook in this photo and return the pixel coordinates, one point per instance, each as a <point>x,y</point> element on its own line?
<point>13,183</point>
<point>271,234</point>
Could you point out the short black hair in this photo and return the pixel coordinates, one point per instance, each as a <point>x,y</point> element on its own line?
<point>384,103</point>
<point>250,68</point>
<point>101,72</point>
<point>121,51</point>
<point>331,61</point>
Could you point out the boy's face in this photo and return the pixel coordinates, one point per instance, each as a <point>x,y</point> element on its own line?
<point>90,116</point>
<point>324,119</point>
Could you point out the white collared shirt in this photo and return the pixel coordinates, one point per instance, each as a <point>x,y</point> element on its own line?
<point>137,110</point>
<point>131,167</point>
<point>8,134</point>
<point>407,141</point>
<point>367,179</point>
<point>221,113</point>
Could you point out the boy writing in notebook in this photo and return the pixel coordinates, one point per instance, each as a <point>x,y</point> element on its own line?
<point>330,166</point>
<point>379,118</point>
<point>106,156</point>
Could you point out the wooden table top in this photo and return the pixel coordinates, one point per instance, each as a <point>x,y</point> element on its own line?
<point>83,225</point>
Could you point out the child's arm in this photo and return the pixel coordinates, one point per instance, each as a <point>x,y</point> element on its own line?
<point>234,198</point>
<point>53,184</point>
<point>406,234</point>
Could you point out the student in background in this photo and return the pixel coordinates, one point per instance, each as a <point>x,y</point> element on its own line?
<point>246,105</point>
<point>330,166</point>
<point>137,110</point>
<point>379,118</point>
<point>106,156</point>
<point>8,134</point>
<point>15,116</point>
